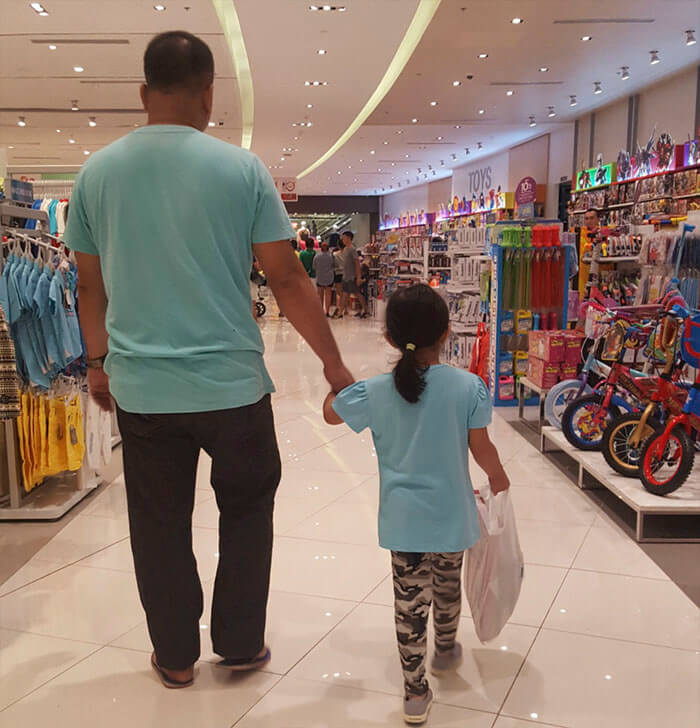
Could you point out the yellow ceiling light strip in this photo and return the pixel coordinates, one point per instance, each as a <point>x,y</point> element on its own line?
<point>421,20</point>
<point>228,19</point>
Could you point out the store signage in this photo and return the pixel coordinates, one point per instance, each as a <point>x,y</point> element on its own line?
<point>657,155</point>
<point>691,154</point>
<point>287,187</point>
<point>408,219</point>
<point>526,191</point>
<point>598,176</point>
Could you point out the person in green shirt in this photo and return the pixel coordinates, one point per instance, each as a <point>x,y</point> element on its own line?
<point>307,257</point>
<point>165,222</point>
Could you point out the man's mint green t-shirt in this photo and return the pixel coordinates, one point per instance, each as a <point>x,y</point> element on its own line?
<point>173,212</point>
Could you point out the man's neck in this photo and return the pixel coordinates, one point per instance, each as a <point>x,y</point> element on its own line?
<point>168,120</point>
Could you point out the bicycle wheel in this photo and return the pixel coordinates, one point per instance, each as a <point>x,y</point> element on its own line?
<point>585,420</point>
<point>663,470</point>
<point>261,308</point>
<point>619,454</point>
<point>558,399</point>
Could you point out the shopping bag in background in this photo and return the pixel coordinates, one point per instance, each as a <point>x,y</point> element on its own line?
<point>494,567</point>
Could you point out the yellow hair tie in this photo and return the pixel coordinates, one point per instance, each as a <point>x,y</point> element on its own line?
<point>410,347</point>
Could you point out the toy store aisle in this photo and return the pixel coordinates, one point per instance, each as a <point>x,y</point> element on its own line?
<point>596,613</point>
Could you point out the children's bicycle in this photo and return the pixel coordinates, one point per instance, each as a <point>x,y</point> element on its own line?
<point>668,456</point>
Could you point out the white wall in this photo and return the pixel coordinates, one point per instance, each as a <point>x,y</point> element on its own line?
<point>439,192</point>
<point>481,176</point>
<point>610,130</point>
<point>359,224</point>
<point>399,203</point>
<point>530,159</point>
<point>561,155</point>
<point>670,107</point>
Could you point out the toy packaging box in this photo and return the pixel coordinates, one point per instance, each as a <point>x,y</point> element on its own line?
<point>544,374</point>
<point>547,345</point>
<point>573,340</point>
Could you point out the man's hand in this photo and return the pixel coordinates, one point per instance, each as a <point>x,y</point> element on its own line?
<point>98,384</point>
<point>338,376</point>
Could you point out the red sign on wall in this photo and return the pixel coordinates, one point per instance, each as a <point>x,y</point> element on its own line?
<point>526,191</point>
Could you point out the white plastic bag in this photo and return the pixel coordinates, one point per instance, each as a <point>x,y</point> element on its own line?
<point>495,567</point>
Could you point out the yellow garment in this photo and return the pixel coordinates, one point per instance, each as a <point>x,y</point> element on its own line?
<point>75,434</point>
<point>44,434</point>
<point>23,432</point>
<point>58,452</point>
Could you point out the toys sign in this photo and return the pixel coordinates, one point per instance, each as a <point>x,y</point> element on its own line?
<point>526,191</point>
<point>287,187</point>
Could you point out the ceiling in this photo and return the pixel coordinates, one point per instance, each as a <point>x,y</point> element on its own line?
<point>282,39</point>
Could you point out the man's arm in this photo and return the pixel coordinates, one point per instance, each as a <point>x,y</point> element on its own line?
<point>93,310</point>
<point>358,271</point>
<point>298,299</point>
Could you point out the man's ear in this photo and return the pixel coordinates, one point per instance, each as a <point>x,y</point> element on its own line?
<point>143,93</point>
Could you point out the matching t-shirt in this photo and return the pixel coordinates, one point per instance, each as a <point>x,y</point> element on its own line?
<point>324,268</point>
<point>173,212</point>
<point>427,500</point>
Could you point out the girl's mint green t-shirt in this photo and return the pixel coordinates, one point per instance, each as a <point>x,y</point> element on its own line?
<point>426,499</point>
<point>172,213</point>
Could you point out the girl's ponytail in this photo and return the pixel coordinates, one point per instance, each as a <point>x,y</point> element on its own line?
<point>409,378</point>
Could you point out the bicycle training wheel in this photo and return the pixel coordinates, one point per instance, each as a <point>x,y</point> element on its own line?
<point>619,454</point>
<point>558,399</point>
<point>664,469</point>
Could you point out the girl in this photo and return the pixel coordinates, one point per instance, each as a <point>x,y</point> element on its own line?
<point>421,417</point>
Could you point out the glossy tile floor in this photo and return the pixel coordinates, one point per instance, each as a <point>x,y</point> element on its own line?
<point>601,637</point>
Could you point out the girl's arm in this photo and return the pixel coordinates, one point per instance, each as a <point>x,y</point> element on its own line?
<point>329,414</point>
<point>487,459</point>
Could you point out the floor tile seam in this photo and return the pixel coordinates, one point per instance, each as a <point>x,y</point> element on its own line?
<point>533,722</point>
<point>290,458</point>
<point>97,649</point>
<point>624,640</point>
<point>365,474</point>
<point>67,639</point>
<point>317,596</point>
<point>61,567</point>
<point>325,542</point>
<point>261,698</point>
<point>665,580</point>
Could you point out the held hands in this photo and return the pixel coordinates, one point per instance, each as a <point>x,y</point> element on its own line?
<point>499,483</point>
<point>98,384</point>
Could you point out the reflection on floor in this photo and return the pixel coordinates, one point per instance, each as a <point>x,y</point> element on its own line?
<point>601,638</point>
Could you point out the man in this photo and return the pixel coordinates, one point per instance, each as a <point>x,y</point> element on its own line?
<point>352,276</point>
<point>590,247</point>
<point>591,221</point>
<point>307,256</point>
<point>166,221</point>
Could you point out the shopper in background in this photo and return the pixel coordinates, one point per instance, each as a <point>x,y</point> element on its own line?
<point>165,222</point>
<point>364,277</point>
<point>323,268</point>
<point>421,417</point>
<point>307,257</point>
<point>591,221</point>
<point>338,255</point>
<point>352,276</point>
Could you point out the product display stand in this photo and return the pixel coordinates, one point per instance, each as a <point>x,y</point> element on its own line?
<point>683,505</point>
<point>524,386</point>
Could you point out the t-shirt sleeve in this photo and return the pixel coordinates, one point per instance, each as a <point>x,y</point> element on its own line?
<point>79,235</point>
<point>479,406</point>
<point>271,221</point>
<point>352,404</point>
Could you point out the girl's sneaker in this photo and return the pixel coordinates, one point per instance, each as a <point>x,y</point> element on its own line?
<point>444,662</point>
<point>416,709</point>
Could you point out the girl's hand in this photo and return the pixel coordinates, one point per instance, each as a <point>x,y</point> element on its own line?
<point>499,483</point>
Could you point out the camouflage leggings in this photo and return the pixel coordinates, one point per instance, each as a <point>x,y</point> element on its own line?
<point>419,580</point>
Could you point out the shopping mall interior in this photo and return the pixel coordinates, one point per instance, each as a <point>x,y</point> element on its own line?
<point>537,165</point>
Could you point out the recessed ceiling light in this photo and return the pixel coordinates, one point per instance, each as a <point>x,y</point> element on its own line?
<point>159,7</point>
<point>93,122</point>
<point>78,69</point>
<point>532,121</point>
<point>482,111</point>
<point>399,131</point>
<point>379,169</point>
<point>393,164</point>
<point>58,131</point>
<point>21,121</point>
<point>74,105</point>
<point>315,83</point>
<point>371,151</point>
<point>690,37</point>
<point>586,38</point>
<point>385,142</point>
<point>338,172</point>
<point>414,121</point>
<point>309,106</point>
<point>10,146</point>
<point>654,57</point>
<point>624,73</point>
<point>406,156</point>
<point>321,51</point>
<point>456,83</point>
<point>212,123</point>
<point>597,89</point>
<point>483,55</point>
<point>544,69</point>
<point>433,103</point>
<point>479,145</point>
<point>439,138</point>
<point>551,113</point>
<point>457,126</point>
<point>572,100</point>
<point>510,92</point>
<point>517,21</point>
<point>71,141</point>
<point>86,152</point>
<point>52,47</point>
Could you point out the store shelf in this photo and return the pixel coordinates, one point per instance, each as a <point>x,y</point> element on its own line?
<point>688,196</point>
<point>683,503</point>
<point>614,259</point>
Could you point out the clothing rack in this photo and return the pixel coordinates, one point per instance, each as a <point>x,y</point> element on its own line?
<point>53,188</point>
<point>56,495</point>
